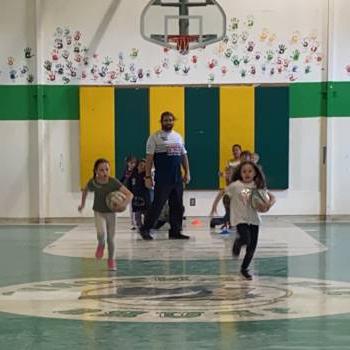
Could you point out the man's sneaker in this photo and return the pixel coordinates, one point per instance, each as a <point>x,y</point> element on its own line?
<point>236,249</point>
<point>112,265</point>
<point>246,275</point>
<point>145,234</point>
<point>99,251</point>
<point>178,236</point>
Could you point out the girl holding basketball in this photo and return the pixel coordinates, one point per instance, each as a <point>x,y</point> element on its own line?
<point>102,184</point>
<point>246,218</point>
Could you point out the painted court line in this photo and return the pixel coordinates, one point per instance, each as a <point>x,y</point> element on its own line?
<point>275,239</point>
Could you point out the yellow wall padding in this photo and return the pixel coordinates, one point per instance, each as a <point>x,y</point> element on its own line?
<point>170,99</point>
<point>96,129</point>
<point>237,114</point>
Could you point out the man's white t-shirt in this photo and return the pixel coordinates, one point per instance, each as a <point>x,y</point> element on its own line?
<point>168,150</point>
<point>162,141</point>
<point>241,211</point>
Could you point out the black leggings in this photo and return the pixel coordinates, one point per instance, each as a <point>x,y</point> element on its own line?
<point>248,235</point>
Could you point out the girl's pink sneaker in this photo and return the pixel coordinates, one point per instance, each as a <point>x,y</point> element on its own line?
<point>112,265</point>
<point>99,251</point>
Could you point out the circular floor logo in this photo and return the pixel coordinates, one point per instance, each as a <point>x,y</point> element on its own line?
<point>177,298</point>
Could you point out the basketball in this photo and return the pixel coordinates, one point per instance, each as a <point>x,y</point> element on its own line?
<point>115,201</point>
<point>259,200</point>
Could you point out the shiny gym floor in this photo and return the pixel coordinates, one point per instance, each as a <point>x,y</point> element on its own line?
<point>175,294</point>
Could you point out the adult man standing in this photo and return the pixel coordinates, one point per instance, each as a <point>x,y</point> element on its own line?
<point>165,149</point>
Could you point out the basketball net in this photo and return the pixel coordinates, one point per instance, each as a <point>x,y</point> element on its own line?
<point>183,42</point>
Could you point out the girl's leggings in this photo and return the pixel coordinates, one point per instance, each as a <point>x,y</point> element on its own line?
<point>105,227</point>
<point>248,235</point>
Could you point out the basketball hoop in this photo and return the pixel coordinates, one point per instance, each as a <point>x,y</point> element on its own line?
<point>171,24</point>
<point>183,42</point>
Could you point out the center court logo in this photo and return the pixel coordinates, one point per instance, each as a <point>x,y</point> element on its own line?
<point>177,299</point>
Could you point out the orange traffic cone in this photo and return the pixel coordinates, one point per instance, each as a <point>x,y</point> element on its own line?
<point>196,222</point>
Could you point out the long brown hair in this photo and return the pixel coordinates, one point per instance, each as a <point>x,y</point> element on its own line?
<point>97,163</point>
<point>259,177</point>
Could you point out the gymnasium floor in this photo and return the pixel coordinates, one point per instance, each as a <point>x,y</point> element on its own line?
<point>175,294</point>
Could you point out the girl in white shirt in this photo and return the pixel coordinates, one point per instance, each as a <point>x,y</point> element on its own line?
<point>246,219</point>
<point>236,153</point>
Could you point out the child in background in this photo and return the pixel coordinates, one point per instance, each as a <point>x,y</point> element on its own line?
<point>101,184</point>
<point>236,153</point>
<point>163,217</point>
<point>130,168</point>
<point>225,220</point>
<point>246,219</point>
<point>255,158</point>
<point>233,162</point>
<point>141,200</point>
<point>245,156</point>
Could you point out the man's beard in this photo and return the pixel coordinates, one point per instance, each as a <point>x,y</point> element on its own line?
<point>167,127</point>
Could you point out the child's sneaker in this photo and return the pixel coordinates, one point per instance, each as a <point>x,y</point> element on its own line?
<point>99,251</point>
<point>246,275</point>
<point>112,265</point>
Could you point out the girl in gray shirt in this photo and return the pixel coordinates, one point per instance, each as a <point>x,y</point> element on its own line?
<point>101,184</point>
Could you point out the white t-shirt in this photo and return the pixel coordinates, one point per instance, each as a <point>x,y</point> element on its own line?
<point>168,150</point>
<point>233,163</point>
<point>169,142</point>
<point>241,211</point>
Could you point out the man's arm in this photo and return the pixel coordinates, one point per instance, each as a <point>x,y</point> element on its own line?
<point>186,167</point>
<point>150,149</point>
<point>148,166</point>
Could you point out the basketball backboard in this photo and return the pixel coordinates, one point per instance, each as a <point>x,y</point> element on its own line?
<point>183,24</point>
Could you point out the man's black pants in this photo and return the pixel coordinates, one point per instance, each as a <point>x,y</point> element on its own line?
<point>174,194</point>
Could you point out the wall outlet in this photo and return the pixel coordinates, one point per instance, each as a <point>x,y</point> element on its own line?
<point>192,202</point>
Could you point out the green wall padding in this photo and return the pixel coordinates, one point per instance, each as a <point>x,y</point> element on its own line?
<point>18,102</point>
<point>339,99</point>
<point>131,124</point>
<point>308,100</point>
<point>272,134</point>
<point>202,136</point>
<point>61,102</point>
